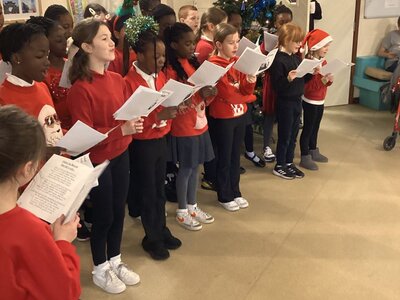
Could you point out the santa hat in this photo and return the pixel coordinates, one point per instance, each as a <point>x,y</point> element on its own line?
<point>316,39</point>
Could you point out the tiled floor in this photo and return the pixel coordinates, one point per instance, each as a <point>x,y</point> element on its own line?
<point>333,235</point>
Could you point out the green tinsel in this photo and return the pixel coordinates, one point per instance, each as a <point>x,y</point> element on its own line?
<point>136,25</point>
<point>126,8</point>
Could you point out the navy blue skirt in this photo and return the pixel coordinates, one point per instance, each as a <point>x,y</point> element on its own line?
<point>192,151</point>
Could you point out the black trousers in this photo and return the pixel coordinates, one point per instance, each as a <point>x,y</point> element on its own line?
<point>210,167</point>
<point>288,115</point>
<point>312,116</point>
<point>229,137</point>
<point>148,163</point>
<point>108,200</point>
<point>248,135</point>
<point>268,127</point>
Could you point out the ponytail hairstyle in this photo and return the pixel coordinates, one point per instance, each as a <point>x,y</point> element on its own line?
<point>21,140</point>
<point>221,32</point>
<point>14,37</point>
<point>141,31</point>
<point>290,32</point>
<point>172,35</point>
<point>117,23</point>
<point>213,15</point>
<point>84,32</point>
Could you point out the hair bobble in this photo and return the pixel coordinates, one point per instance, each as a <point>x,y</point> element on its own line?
<point>136,25</point>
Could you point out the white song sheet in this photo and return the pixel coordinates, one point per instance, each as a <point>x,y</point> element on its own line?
<point>334,67</point>
<point>57,187</point>
<point>245,43</point>
<point>250,62</point>
<point>80,138</point>
<point>64,80</point>
<point>181,92</point>
<point>270,41</point>
<point>142,102</point>
<point>208,74</point>
<point>306,66</point>
<point>4,69</point>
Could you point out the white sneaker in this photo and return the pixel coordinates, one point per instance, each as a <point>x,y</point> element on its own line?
<point>187,221</point>
<point>231,206</point>
<point>125,274</point>
<point>109,281</point>
<point>241,202</point>
<point>198,214</point>
<point>269,156</point>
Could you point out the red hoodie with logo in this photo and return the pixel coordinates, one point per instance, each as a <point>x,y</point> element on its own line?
<point>234,91</point>
<point>193,120</point>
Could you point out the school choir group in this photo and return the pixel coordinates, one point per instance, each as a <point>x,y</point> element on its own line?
<point>150,158</point>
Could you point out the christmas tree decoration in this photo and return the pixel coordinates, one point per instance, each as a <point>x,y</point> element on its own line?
<point>129,8</point>
<point>257,15</point>
<point>136,25</point>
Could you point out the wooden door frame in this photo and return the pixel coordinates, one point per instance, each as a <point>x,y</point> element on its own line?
<point>354,50</point>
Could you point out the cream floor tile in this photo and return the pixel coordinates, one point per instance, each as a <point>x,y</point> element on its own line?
<point>333,235</point>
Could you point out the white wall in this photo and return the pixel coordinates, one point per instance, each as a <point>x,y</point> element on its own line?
<point>371,33</point>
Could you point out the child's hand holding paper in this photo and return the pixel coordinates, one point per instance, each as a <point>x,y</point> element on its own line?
<point>132,126</point>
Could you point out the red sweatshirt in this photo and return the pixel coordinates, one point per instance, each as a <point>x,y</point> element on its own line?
<point>192,121</point>
<point>32,265</point>
<point>204,49</point>
<point>59,95</point>
<point>94,103</point>
<point>234,91</point>
<point>36,101</point>
<point>117,65</point>
<point>315,90</point>
<point>153,128</point>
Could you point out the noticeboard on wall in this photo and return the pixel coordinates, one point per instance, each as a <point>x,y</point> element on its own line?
<point>381,9</point>
<point>15,10</point>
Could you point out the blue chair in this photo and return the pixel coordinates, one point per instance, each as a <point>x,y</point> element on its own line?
<point>369,87</point>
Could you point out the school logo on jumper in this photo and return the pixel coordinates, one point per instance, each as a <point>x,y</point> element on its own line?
<point>238,109</point>
<point>160,124</point>
<point>51,124</point>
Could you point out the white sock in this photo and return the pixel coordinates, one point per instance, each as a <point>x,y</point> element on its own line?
<point>192,207</point>
<point>115,261</point>
<point>101,268</point>
<point>182,211</point>
<point>253,156</point>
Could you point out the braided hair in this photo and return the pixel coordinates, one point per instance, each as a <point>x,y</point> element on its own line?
<point>174,34</point>
<point>46,23</point>
<point>15,37</point>
<point>139,33</point>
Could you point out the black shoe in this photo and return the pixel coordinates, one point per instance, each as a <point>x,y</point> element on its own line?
<point>296,172</point>
<point>260,163</point>
<point>282,171</point>
<point>83,232</point>
<point>156,250</point>
<point>242,170</point>
<point>208,185</point>
<point>171,242</point>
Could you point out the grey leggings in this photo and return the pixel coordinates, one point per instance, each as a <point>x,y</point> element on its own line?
<point>186,186</point>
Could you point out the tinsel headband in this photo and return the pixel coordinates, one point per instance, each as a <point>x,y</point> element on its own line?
<point>136,25</point>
